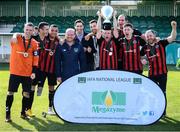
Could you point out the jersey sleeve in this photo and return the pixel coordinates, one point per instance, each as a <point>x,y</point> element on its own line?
<point>137,32</point>
<point>82,60</point>
<point>19,37</point>
<point>35,54</point>
<point>99,41</point>
<point>91,44</point>
<point>58,60</point>
<point>163,42</point>
<point>142,41</point>
<point>143,50</point>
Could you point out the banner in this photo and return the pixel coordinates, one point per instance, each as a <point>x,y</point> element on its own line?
<point>109,96</point>
<point>172,53</point>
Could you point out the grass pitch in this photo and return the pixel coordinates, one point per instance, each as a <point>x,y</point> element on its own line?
<point>53,123</point>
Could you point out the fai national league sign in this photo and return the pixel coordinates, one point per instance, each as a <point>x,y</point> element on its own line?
<point>108,96</point>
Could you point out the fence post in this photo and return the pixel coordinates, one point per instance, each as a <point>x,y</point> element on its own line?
<point>175,8</point>
<point>27,5</point>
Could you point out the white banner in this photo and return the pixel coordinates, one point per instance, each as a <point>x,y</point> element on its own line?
<point>109,96</point>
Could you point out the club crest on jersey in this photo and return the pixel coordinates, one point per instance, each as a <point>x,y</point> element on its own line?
<point>157,46</point>
<point>56,43</point>
<point>76,50</point>
<point>134,41</point>
<point>64,50</point>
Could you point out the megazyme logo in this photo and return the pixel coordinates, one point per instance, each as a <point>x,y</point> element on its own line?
<point>108,102</point>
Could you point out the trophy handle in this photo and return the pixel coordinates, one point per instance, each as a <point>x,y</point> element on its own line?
<point>114,13</point>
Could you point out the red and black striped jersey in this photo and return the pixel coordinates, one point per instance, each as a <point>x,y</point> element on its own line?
<point>40,46</point>
<point>157,57</point>
<point>46,63</point>
<point>108,54</point>
<point>131,58</point>
<point>120,52</point>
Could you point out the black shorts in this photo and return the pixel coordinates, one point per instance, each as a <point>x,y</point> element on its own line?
<point>37,80</point>
<point>52,80</point>
<point>15,80</point>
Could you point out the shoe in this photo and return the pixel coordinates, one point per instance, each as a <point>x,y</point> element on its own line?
<point>50,111</point>
<point>25,117</point>
<point>29,113</point>
<point>39,91</point>
<point>8,119</point>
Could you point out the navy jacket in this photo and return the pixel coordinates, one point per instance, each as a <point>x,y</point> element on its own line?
<point>69,61</point>
<point>89,56</point>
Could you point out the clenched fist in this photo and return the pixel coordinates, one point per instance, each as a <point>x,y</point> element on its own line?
<point>89,49</point>
<point>173,24</point>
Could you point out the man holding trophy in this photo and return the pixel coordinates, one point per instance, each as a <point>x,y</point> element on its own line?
<point>107,39</point>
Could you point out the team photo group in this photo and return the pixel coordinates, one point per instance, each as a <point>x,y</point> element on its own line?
<point>39,53</point>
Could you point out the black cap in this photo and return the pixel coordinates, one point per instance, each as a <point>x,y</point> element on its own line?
<point>107,26</point>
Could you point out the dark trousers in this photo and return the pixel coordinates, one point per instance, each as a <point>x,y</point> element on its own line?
<point>161,81</point>
<point>90,66</point>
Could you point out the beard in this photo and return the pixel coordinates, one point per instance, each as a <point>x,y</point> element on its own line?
<point>52,36</point>
<point>94,31</point>
<point>151,41</point>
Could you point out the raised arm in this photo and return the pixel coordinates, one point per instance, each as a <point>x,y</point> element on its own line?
<point>99,27</point>
<point>35,59</point>
<point>14,37</point>
<point>173,35</point>
<point>115,30</point>
<point>87,37</point>
<point>58,62</point>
